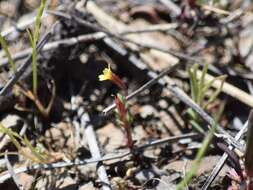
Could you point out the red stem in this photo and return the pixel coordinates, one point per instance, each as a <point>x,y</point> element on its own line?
<point>130,142</point>
<point>118,82</point>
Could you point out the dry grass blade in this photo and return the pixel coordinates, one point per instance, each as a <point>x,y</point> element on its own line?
<point>35,155</point>
<point>108,156</point>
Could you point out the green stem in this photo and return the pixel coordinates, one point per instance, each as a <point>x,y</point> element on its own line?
<point>197,160</point>
<point>34,40</point>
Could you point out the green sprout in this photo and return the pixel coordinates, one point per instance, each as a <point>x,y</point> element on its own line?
<point>36,155</point>
<point>7,53</point>
<point>199,88</point>
<point>201,152</point>
<point>34,39</point>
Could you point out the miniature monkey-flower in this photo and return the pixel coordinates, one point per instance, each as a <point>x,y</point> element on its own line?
<point>109,75</point>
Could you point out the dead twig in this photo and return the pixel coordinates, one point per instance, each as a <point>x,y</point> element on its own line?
<point>56,44</point>
<point>152,28</point>
<point>231,90</point>
<point>94,148</point>
<point>20,26</point>
<point>107,157</point>
<point>172,7</point>
<point>223,159</point>
<point>181,95</point>
<point>90,137</point>
<point>11,172</point>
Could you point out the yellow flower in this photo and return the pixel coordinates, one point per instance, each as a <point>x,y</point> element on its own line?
<point>107,74</point>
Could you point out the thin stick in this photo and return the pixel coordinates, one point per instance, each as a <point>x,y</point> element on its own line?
<point>215,9</point>
<point>90,137</point>
<point>168,140</point>
<point>94,148</point>
<point>177,54</point>
<point>230,90</point>
<point>63,164</point>
<point>20,26</point>
<point>80,39</point>
<point>223,159</point>
<point>107,157</point>
<point>11,172</point>
<point>172,6</point>
<point>152,28</point>
<point>56,44</point>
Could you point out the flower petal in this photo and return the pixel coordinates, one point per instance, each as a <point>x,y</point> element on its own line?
<point>102,77</point>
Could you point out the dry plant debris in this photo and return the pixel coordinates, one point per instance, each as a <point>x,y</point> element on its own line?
<point>130,94</point>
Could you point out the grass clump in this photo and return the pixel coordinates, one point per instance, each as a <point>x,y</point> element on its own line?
<point>35,154</point>
<point>199,92</point>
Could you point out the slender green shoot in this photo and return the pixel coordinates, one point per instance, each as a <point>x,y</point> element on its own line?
<point>7,53</point>
<point>20,142</point>
<point>34,39</point>
<point>14,137</point>
<point>199,88</point>
<point>36,152</point>
<point>197,161</point>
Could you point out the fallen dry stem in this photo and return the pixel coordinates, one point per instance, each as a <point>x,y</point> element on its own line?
<point>223,159</point>
<point>107,157</point>
<point>45,111</point>
<point>229,90</point>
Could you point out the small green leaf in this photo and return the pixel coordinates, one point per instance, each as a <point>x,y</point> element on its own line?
<point>197,127</point>
<point>7,53</point>
<point>36,156</point>
<point>12,135</point>
<point>193,83</point>
<point>34,151</point>
<point>217,91</point>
